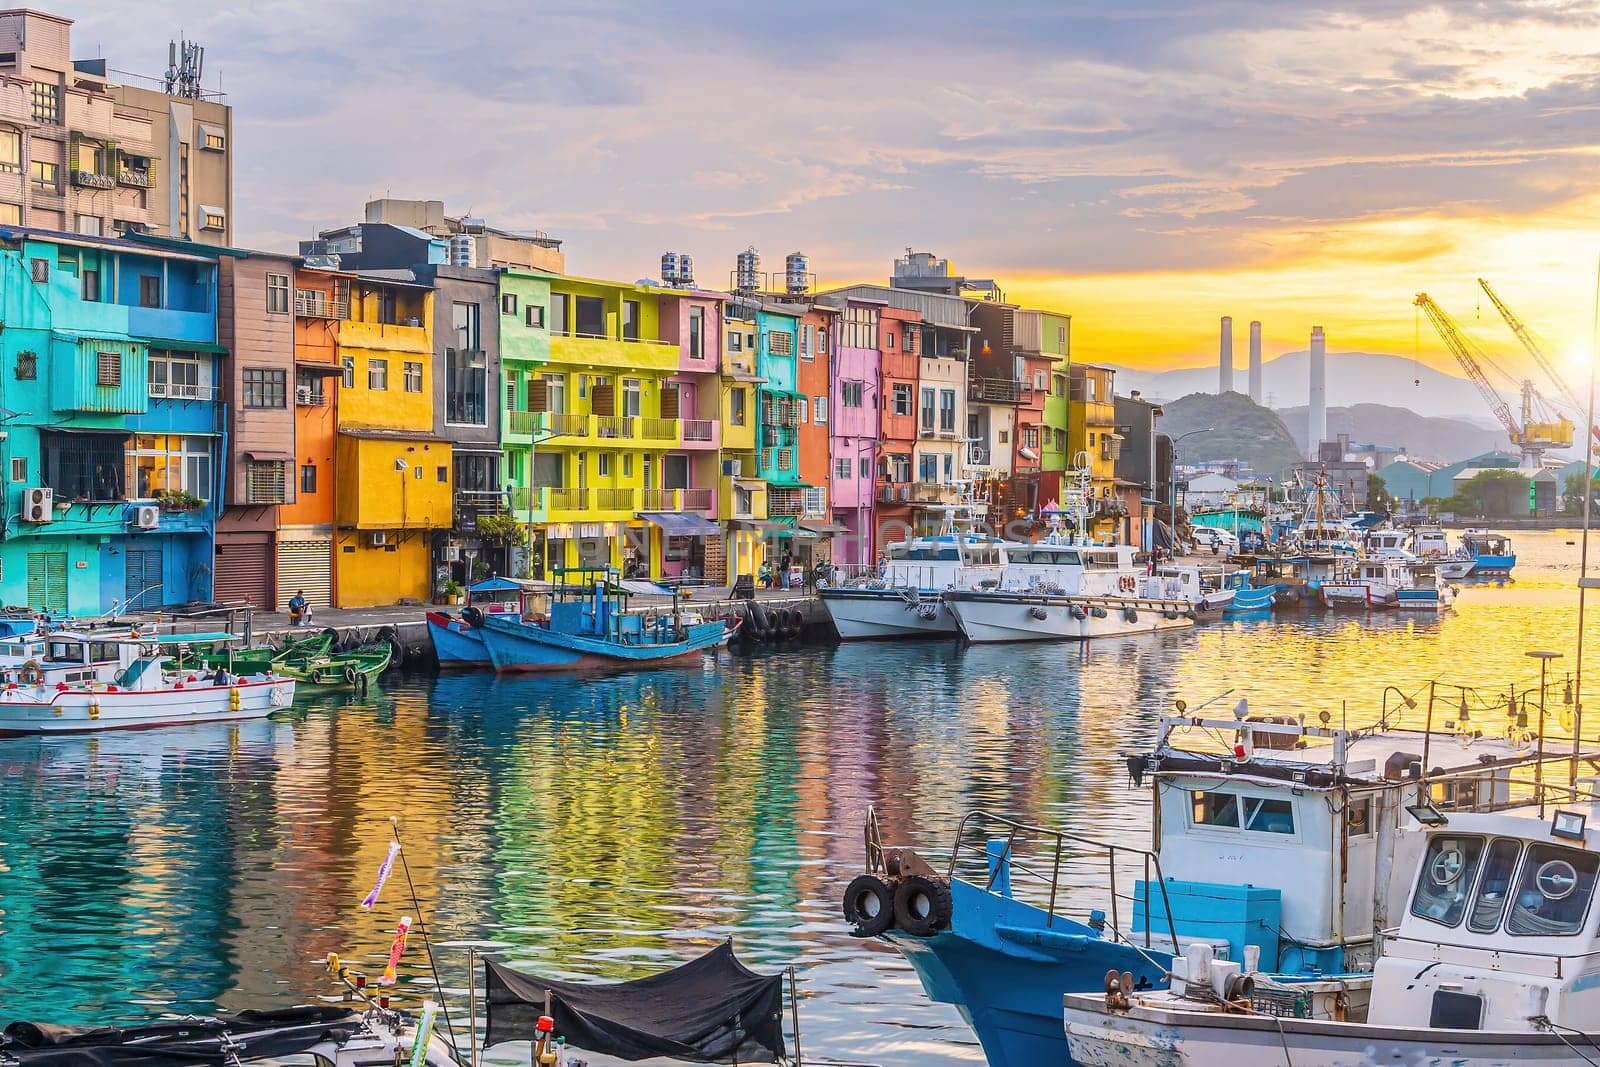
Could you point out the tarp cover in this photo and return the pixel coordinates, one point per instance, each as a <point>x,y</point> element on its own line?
<point>227,1039</point>
<point>710,1010</point>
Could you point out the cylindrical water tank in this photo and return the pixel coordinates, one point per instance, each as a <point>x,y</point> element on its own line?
<point>795,276</point>
<point>669,268</point>
<point>461,250</point>
<point>747,271</point>
<point>685,269</point>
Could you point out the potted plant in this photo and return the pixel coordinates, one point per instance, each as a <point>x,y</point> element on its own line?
<point>178,500</point>
<point>453,593</point>
<point>499,527</point>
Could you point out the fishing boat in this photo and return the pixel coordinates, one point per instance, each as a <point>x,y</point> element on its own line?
<point>357,667</point>
<point>458,639</point>
<point>1492,963</point>
<point>1323,528</point>
<point>589,625</point>
<point>901,597</point>
<point>1247,597</point>
<point>1429,543</point>
<point>1274,839</point>
<point>102,680</point>
<point>261,658</point>
<point>1491,553</point>
<point>1297,578</point>
<point>1371,583</point>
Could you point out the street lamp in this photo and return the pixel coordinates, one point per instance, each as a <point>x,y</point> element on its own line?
<point>1383,716</point>
<point>1172,487</point>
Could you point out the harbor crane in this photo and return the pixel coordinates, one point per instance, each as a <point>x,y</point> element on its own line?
<point>1536,433</point>
<point>1525,335</point>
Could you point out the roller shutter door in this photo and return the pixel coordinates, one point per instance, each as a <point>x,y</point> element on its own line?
<point>243,570</point>
<point>306,565</point>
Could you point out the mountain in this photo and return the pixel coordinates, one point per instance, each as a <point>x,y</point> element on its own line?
<point>1235,428</point>
<point>1420,437</point>
<point>1353,378</point>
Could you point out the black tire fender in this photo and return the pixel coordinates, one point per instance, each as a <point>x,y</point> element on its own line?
<point>921,905</point>
<point>869,905</point>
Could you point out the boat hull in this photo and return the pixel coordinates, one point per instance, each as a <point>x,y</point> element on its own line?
<point>1456,569</point>
<point>1425,599</point>
<point>40,710</point>
<point>1493,564</point>
<point>1359,595</point>
<point>874,614</point>
<point>1251,600</point>
<point>1148,1037</point>
<point>518,647</point>
<point>455,644</point>
<point>986,618</point>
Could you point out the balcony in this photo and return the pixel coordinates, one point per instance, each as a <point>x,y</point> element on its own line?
<point>614,499</point>
<point>307,397</point>
<point>659,430</point>
<point>699,431</point>
<point>741,498</point>
<point>182,391</point>
<point>88,179</point>
<point>697,499</point>
<point>136,177</point>
<point>613,352</point>
<point>567,424</point>
<point>661,500</point>
<point>562,499</point>
<point>526,423</point>
<point>312,304</point>
<point>613,427</point>
<point>929,493</point>
<point>385,337</point>
<point>997,390</point>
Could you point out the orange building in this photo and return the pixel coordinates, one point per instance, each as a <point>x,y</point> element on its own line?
<point>305,535</point>
<point>898,331</point>
<point>812,382</point>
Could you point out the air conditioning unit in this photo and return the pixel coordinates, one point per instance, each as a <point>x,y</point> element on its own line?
<point>38,505</point>
<point>377,539</point>
<point>146,517</point>
<point>452,553</point>
<point>733,467</point>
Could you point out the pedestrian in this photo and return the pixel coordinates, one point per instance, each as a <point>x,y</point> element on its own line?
<point>784,563</point>
<point>299,610</point>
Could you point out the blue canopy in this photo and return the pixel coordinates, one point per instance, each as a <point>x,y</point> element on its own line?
<point>495,585</point>
<point>675,524</point>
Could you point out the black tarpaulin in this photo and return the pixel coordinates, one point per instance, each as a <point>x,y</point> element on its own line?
<point>710,1010</point>
<point>222,1040</point>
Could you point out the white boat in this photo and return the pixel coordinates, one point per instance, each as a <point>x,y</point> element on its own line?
<point>1207,591</point>
<point>1430,544</point>
<point>75,681</point>
<point>1493,963</point>
<point>901,598</point>
<point>1389,583</point>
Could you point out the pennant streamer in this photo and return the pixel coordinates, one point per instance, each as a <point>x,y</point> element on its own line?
<point>383,875</point>
<point>419,1045</point>
<point>396,950</point>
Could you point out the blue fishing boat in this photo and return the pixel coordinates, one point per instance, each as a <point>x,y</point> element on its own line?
<point>1247,597</point>
<point>589,626</point>
<point>458,639</point>
<point>1492,552</point>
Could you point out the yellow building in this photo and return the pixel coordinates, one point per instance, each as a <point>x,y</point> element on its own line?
<point>741,495</point>
<point>608,415</point>
<point>394,485</point>
<point>1092,438</point>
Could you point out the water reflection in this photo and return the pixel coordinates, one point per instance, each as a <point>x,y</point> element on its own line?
<point>605,827</point>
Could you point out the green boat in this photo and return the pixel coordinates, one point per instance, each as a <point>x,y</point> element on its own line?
<point>262,658</point>
<point>356,668</point>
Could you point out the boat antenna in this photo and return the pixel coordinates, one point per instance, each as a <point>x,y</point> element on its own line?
<point>422,926</point>
<point>1583,552</point>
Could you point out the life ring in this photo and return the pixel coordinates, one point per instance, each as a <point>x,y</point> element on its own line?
<point>1126,583</point>
<point>921,905</point>
<point>351,674</point>
<point>32,673</point>
<point>869,905</point>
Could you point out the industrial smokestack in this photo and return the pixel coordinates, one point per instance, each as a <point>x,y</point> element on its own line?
<point>1225,357</point>
<point>1318,413</point>
<point>1255,362</point>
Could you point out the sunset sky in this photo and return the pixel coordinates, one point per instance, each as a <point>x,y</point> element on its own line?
<point>1147,165</point>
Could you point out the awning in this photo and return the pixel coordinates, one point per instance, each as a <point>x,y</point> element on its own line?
<point>741,376</point>
<point>172,344</point>
<point>495,585</point>
<point>822,526</point>
<point>326,370</point>
<point>476,449</point>
<point>677,524</point>
<point>268,457</point>
<point>88,431</point>
<point>760,525</point>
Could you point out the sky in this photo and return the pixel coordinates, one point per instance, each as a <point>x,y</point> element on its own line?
<point>1146,165</point>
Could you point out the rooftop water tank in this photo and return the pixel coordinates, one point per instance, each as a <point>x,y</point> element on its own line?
<point>461,247</point>
<point>796,279</point>
<point>669,268</point>
<point>748,271</point>
<point>685,270</point>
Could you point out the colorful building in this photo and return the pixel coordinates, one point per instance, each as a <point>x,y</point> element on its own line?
<point>112,427</point>
<point>896,342</point>
<point>524,306</point>
<point>1093,442</point>
<point>685,507</point>
<point>741,492</point>
<point>853,408</point>
<point>816,528</point>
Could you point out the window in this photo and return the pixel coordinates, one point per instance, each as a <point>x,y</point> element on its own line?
<point>602,465</point>
<point>949,467</point>
<point>947,410</point>
<point>820,406</point>
<point>632,396</point>
<point>179,377</point>
<point>150,290</point>
<point>308,478</point>
<point>675,472</point>
<point>214,141</point>
<point>815,500</point>
<point>627,465</point>
<point>377,374</point>
<point>897,468</point>
<point>736,405</point>
<point>277,294</point>
<point>589,315</point>
<point>908,339</point>
<point>83,466</point>
<point>1494,888</point>
<point>781,343</point>
<point>348,377</point>
<point>901,402</point>
<point>19,468</point>
<point>89,284</point>
<point>850,394</point>
<point>860,327</point>
<point>1552,897</point>
<point>927,409</point>
<point>412,374</point>
<point>167,463</point>
<point>10,214</point>
<point>40,269</point>
<point>533,315</point>
<point>1003,436</point>
<point>805,410</point>
<point>1040,379</point>
<point>865,466</point>
<point>555,386</point>
<point>212,219</point>
<point>735,344</point>
<point>183,188</point>
<point>928,469</point>
<point>466,387</point>
<point>264,388</point>
<point>10,152</point>
<point>1260,814</point>
<point>697,333</point>
<point>630,320</point>
<point>44,175</point>
<point>108,368</point>
<point>1061,336</point>
<point>440,474</point>
<point>841,469</point>
<point>88,225</point>
<point>558,313</point>
<point>805,342</point>
<point>888,338</point>
<point>1030,437</point>
<point>47,103</point>
<point>1445,880</point>
<point>822,340</point>
<point>1058,385</point>
<point>508,303</point>
<point>308,389</point>
<point>264,482</point>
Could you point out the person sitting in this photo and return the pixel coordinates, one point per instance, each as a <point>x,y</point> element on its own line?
<point>222,677</point>
<point>299,610</point>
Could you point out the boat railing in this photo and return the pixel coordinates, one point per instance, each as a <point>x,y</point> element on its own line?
<point>1062,846</point>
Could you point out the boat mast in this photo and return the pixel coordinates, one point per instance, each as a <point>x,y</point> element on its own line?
<point>1583,551</point>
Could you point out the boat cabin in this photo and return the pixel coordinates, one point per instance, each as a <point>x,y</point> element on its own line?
<point>1428,541</point>
<point>945,561</point>
<point>1075,569</point>
<point>1388,544</point>
<point>97,657</point>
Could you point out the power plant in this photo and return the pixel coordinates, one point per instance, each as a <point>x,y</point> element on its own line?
<point>1255,362</point>
<point>1225,357</point>
<point>1317,429</point>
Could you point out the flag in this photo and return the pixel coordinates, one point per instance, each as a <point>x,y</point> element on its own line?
<point>383,875</point>
<point>396,950</point>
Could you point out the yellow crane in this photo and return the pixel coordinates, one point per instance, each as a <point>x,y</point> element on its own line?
<point>1536,433</point>
<point>1525,335</point>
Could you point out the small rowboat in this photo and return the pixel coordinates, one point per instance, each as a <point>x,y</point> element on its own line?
<point>356,668</point>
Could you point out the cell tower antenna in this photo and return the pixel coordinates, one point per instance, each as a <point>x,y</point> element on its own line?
<point>186,62</point>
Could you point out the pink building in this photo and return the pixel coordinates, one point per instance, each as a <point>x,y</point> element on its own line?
<point>689,473</point>
<point>853,427</point>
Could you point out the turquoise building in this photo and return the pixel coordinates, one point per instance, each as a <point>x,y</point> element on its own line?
<point>779,402</point>
<point>112,427</point>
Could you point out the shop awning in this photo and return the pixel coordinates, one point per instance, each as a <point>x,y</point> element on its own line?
<point>676,524</point>
<point>760,525</point>
<point>822,526</point>
<point>268,457</point>
<point>172,344</point>
<point>325,370</point>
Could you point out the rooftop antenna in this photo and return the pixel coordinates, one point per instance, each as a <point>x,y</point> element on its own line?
<point>186,61</point>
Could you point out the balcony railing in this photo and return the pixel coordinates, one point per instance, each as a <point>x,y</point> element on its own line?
<point>696,499</point>
<point>525,422</point>
<point>699,430</point>
<point>569,425</point>
<point>659,429</point>
<point>568,499</point>
<point>307,397</point>
<point>614,499</point>
<point>88,179</point>
<point>312,304</point>
<point>181,391</point>
<point>523,499</point>
<point>139,179</point>
<point>996,390</point>
<point>613,426</point>
<point>660,500</point>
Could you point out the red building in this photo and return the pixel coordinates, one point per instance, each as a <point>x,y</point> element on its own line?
<point>816,527</point>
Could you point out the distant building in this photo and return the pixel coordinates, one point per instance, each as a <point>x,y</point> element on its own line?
<point>1415,480</point>
<point>1138,465</point>
<point>472,241</point>
<point>1345,476</point>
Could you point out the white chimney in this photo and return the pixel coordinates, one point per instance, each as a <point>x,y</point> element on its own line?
<point>1317,430</point>
<point>1225,357</point>
<point>1255,362</point>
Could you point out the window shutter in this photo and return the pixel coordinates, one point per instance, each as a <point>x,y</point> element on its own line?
<point>73,164</point>
<point>669,401</point>
<point>603,398</point>
<point>538,394</point>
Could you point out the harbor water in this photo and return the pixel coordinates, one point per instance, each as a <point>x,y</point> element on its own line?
<point>609,827</point>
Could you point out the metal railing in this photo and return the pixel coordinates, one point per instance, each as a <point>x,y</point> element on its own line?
<point>563,422</point>
<point>996,390</point>
<point>699,430</point>
<point>614,499</point>
<point>524,422</point>
<point>660,500</point>
<point>613,426</point>
<point>313,304</point>
<point>181,391</point>
<point>696,499</point>
<point>306,397</point>
<point>568,499</point>
<point>90,179</point>
<point>659,429</point>
<point>139,179</point>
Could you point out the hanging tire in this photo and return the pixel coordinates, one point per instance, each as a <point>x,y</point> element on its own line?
<point>921,905</point>
<point>869,905</point>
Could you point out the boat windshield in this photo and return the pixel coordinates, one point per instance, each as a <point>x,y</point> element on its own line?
<point>1553,894</point>
<point>1445,881</point>
<point>1057,557</point>
<point>1100,560</point>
